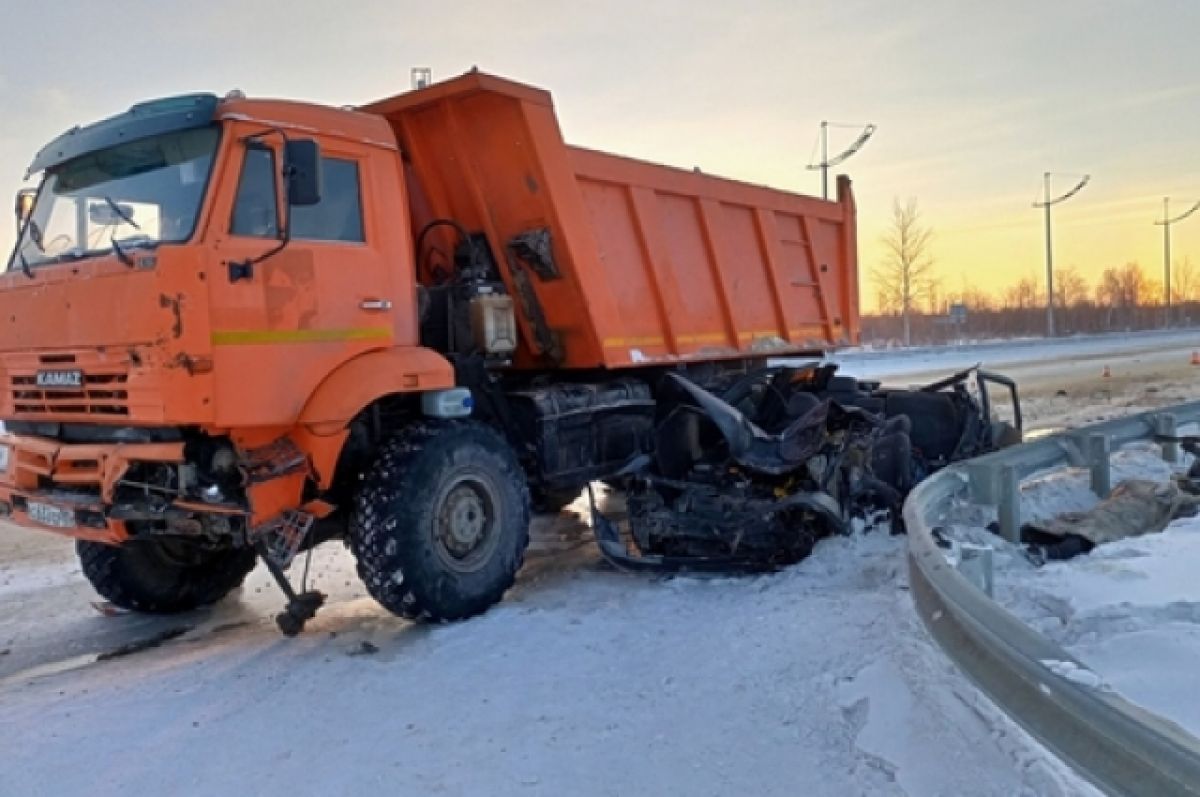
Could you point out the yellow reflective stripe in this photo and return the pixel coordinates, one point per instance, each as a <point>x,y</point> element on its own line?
<point>649,340</point>
<point>245,337</point>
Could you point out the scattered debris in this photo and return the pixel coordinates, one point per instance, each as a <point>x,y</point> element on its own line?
<point>139,645</point>
<point>108,609</point>
<point>364,648</point>
<point>1134,508</point>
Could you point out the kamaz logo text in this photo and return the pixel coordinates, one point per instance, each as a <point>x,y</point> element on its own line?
<point>60,379</point>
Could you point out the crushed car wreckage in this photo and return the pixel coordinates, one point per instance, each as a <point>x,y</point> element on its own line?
<point>749,476</point>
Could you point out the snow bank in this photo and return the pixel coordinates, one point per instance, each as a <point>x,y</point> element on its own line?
<point>1129,609</point>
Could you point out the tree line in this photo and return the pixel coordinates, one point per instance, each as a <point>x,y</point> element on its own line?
<point>915,305</point>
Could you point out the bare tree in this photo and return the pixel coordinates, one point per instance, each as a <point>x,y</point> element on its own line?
<point>1124,296</point>
<point>884,301</point>
<point>1122,289</point>
<point>1184,281</point>
<point>1070,291</point>
<point>905,276</point>
<point>1070,288</point>
<point>1023,295</point>
<point>935,300</point>
<point>977,299</point>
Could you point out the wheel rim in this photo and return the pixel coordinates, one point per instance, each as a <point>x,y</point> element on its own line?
<point>466,529</point>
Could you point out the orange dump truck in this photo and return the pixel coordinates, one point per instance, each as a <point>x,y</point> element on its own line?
<point>234,328</point>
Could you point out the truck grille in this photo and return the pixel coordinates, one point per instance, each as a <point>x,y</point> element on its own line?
<point>104,389</point>
<point>101,394</point>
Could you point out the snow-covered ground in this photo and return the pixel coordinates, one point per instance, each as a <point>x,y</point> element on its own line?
<point>1130,610</point>
<point>816,681</point>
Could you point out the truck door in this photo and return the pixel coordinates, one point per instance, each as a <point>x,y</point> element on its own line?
<point>281,325</point>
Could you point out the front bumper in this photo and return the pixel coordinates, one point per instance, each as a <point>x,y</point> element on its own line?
<point>77,479</point>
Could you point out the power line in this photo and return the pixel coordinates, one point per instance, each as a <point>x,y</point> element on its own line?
<point>823,140</point>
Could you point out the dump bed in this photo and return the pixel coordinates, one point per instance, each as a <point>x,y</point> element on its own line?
<point>617,262</point>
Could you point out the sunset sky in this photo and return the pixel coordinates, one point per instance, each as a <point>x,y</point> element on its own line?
<point>974,100</point>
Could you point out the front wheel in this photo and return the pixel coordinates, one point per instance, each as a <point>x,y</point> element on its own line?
<point>441,522</point>
<point>164,575</point>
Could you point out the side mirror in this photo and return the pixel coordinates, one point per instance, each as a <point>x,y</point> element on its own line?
<point>24,206</point>
<point>302,171</point>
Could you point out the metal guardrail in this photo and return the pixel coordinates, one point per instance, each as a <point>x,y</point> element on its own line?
<point>1118,746</point>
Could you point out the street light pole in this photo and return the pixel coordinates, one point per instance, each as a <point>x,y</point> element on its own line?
<point>1166,225</point>
<point>1049,267</point>
<point>1046,203</point>
<point>1167,260</point>
<point>824,159</point>
<point>827,161</point>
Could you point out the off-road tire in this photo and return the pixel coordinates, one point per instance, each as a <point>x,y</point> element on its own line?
<point>402,513</point>
<point>147,576</point>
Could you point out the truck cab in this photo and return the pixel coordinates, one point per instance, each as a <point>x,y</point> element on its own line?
<point>153,289</point>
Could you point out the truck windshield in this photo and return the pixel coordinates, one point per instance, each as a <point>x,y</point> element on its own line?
<point>141,193</point>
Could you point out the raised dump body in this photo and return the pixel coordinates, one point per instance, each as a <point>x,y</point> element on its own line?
<point>645,263</point>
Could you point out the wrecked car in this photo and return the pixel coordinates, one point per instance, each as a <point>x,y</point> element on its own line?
<point>750,475</point>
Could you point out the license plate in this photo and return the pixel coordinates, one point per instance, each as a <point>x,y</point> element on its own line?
<point>49,515</point>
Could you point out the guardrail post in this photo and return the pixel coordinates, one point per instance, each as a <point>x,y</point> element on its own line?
<point>1164,424</point>
<point>1099,448</point>
<point>975,564</point>
<point>1008,507</point>
<point>982,479</point>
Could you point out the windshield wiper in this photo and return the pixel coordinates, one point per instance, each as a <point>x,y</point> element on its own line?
<point>120,253</point>
<point>121,247</point>
<point>32,234</point>
<point>25,268</point>
<point>35,235</point>
<point>127,217</point>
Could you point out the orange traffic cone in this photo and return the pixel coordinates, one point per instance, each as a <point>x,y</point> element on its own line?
<point>1107,373</point>
<point>1196,358</point>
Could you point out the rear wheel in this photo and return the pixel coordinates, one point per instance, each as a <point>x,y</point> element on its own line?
<point>162,576</point>
<point>442,521</point>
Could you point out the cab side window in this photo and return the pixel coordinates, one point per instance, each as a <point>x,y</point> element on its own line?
<point>338,216</point>
<point>255,209</point>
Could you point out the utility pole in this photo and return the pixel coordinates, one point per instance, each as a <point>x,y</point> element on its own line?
<point>826,161</point>
<point>1049,267</point>
<point>1046,203</point>
<point>1166,223</point>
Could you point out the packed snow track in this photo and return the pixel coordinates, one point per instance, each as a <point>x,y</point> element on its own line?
<point>814,681</point>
